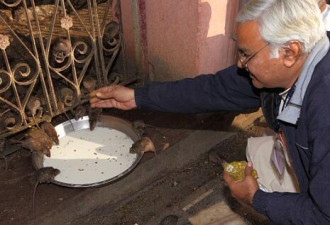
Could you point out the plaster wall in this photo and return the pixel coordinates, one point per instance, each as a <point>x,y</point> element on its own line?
<point>184,37</point>
<point>172,38</point>
<point>216,48</point>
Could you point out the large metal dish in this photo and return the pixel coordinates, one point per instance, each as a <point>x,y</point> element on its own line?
<point>110,122</point>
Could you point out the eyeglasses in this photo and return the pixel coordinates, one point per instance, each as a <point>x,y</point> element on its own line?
<point>244,59</point>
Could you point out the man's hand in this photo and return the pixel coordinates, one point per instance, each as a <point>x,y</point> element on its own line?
<point>113,96</point>
<point>242,190</point>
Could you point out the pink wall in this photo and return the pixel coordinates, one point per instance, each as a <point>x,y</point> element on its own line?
<point>216,49</point>
<point>172,38</point>
<point>184,38</point>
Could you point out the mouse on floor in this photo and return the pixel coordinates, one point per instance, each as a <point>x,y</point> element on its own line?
<point>143,145</point>
<point>43,175</point>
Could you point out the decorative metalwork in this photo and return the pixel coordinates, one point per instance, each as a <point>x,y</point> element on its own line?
<point>53,53</point>
<point>4,41</point>
<point>66,22</point>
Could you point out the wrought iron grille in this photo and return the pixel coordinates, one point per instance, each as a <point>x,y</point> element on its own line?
<point>53,53</point>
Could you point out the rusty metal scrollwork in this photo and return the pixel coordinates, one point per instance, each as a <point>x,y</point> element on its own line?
<point>66,22</point>
<point>4,41</point>
<point>52,53</point>
<point>5,81</point>
<point>111,42</point>
<point>10,4</point>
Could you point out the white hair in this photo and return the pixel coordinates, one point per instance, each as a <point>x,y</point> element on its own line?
<point>320,1</point>
<point>281,21</point>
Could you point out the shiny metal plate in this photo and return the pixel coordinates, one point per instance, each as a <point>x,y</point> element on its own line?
<point>68,128</point>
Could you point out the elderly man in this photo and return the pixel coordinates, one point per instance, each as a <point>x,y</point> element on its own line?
<point>283,66</point>
<point>258,149</point>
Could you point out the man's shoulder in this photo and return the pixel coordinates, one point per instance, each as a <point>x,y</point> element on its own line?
<point>318,92</point>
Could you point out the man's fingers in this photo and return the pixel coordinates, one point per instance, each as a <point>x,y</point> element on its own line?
<point>227,178</point>
<point>248,169</point>
<point>104,104</point>
<point>100,94</point>
<point>103,91</point>
<point>93,100</point>
<point>103,94</point>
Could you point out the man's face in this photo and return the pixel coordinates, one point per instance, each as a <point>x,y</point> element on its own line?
<point>322,5</point>
<point>254,55</point>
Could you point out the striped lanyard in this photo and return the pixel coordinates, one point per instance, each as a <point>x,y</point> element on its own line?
<point>288,97</point>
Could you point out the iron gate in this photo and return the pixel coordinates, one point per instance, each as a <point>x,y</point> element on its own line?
<point>53,53</point>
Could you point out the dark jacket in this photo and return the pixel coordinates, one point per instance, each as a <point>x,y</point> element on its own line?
<point>308,141</point>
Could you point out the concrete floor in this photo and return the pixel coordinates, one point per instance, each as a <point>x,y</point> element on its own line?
<point>180,181</point>
<point>189,192</point>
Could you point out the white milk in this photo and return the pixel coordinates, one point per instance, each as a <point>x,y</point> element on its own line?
<point>87,157</point>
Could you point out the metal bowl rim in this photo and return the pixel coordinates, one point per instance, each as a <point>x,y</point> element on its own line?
<point>103,118</point>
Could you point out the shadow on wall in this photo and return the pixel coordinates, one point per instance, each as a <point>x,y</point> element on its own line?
<point>204,52</point>
<point>219,51</point>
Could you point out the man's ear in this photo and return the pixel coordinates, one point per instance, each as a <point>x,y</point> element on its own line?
<point>291,53</point>
<point>322,5</point>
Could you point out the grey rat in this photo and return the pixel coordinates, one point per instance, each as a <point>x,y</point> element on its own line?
<point>50,131</point>
<point>43,175</point>
<point>143,145</point>
<point>79,112</point>
<point>36,140</point>
<point>140,126</point>
<point>94,115</point>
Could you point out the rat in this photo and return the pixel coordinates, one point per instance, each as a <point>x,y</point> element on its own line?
<point>89,84</point>
<point>140,126</point>
<point>50,131</point>
<point>36,140</point>
<point>94,114</point>
<point>67,96</point>
<point>61,49</point>
<point>8,120</point>
<point>44,175</point>
<point>215,158</point>
<point>79,112</point>
<point>34,107</point>
<point>143,145</point>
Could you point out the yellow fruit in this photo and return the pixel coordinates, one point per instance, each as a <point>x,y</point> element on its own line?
<point>236,170</point>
